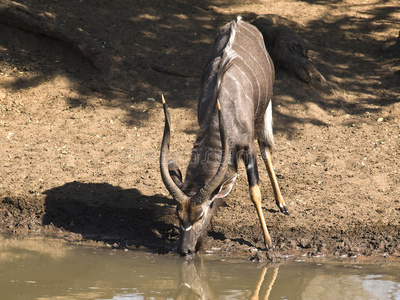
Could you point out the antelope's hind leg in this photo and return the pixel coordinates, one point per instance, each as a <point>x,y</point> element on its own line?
<point>255,194</point>
<point>266,156</point>
<point>265,140</point>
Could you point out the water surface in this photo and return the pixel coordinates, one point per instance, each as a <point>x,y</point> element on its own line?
<point>37,268</point>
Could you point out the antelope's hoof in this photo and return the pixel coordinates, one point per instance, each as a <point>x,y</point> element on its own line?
<point>283,208</point>
<point>269,247</point>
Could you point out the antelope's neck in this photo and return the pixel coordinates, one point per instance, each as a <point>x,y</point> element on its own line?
<point>205,159</point>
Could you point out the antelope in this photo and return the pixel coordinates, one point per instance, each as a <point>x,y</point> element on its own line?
<point>234,109</point>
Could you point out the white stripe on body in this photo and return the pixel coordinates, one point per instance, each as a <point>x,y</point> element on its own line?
<point>233,76</point>
<point>249,67</point>
<point>260,42</point>
<point>261,45</point>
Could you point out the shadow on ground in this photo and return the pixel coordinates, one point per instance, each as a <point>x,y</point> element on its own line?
<point>161,47</point>
<point>122,217</point>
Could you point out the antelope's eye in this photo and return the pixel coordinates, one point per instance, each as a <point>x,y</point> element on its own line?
<point>201,216</point>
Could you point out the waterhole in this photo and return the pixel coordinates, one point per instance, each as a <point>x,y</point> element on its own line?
<point>39,268</point>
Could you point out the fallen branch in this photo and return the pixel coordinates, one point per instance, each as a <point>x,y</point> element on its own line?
<point>391,45</point>
<point>169,72</point>
<point>289,50</point>
<point>20,16</point>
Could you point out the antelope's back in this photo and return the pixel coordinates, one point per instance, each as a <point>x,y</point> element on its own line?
<point>246,72</point>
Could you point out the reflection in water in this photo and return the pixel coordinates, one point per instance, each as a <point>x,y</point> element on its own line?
<point>35,268</point>
<point>256,294</point>
<point>195,282</point>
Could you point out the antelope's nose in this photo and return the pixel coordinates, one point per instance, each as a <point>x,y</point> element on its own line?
<point>184,252</point>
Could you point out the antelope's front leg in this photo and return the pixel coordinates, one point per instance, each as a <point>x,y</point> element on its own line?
<point>255,195</point>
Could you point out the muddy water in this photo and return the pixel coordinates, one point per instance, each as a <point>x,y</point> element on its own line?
<point>36,268</point>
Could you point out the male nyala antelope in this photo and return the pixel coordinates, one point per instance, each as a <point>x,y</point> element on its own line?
<point>234,109</point>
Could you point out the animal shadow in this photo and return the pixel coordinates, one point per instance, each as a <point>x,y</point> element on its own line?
<point>100,211</point>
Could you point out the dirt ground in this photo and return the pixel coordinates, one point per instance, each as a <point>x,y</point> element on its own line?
<point>79,151</point>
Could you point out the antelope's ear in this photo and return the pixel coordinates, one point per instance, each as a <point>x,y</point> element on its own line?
<point>226,187</point>
<point>175,173</point>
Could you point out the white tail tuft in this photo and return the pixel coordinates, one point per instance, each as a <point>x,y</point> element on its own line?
<point>268,133</point>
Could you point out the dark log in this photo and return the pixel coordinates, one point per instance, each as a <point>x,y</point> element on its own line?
<point>20,16</point>
<point>288,50</point>
<point>392,45</point>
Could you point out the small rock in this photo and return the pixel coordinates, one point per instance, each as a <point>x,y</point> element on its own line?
<point>305,243</point>
<point>3,94</point>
